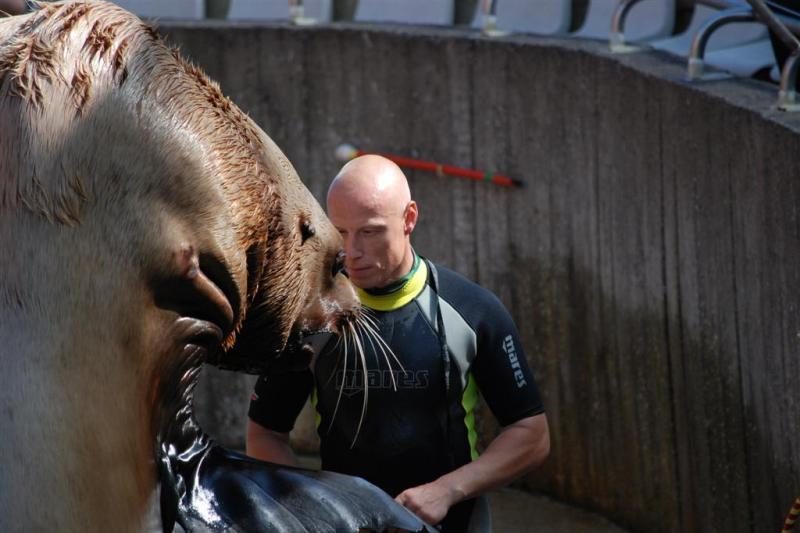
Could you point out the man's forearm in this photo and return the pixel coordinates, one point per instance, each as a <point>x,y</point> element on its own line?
<point>518,449</point>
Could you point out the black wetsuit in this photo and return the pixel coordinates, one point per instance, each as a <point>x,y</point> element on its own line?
<point>424,428</point>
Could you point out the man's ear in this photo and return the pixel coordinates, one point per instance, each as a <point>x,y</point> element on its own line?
<point>410,217</point>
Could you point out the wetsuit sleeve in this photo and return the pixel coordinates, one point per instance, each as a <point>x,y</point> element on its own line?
<point>278,399</point>
<point>501,369</point>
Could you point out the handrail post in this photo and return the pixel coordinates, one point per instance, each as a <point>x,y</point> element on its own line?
<point>490,19</point>
<point>616,38</point>
<point>787,96</point>
<point>297,14</point>
<point>696,63</point>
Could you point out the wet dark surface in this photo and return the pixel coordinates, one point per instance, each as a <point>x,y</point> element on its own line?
<point>517,511</point>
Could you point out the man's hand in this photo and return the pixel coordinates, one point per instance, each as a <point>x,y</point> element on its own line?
<point>518,448</point>
<point>430,501</point>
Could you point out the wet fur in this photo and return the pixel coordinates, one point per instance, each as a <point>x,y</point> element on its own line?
<point>90,56</point>
<point>147,225</point>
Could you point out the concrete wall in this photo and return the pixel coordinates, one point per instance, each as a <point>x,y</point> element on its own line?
<point>651,262</point>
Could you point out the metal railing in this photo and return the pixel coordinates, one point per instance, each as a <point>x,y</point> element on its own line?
<point>731,11</point>
<point>696,63</point>
<point>787,94</point>
<point>783,27</point>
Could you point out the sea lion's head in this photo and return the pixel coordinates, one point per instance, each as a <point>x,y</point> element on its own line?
<point>147,225</point>
<point>296,279</point>
<point>114,137</point>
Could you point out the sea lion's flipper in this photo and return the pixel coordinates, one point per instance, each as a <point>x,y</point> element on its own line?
<point>233,492</point>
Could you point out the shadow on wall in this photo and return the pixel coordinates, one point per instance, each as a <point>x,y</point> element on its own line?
<point>647,421</point>
<point>604,369</point>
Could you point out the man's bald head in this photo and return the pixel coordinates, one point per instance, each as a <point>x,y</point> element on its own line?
<point>372,181</point>
<point>370,204</point>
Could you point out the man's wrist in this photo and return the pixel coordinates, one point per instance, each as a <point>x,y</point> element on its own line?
<point>453,488</point>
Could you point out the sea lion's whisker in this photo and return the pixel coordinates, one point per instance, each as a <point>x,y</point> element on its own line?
<point>373,348</point>
<point>365,329</point>
<point>360,349</point>
<point>344,377</point>
<point>369,317</point>
<point>370,321</point>
<point>351,338</point>
<point>388,349</point>
<point>379,344</point>
<point>334,349</point>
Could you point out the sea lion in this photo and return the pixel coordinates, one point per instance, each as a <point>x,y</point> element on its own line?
<point>147,226</point>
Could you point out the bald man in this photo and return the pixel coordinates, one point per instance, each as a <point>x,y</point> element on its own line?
<point>411,432</point>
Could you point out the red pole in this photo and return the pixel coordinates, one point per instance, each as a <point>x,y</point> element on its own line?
<point>347,152</point>
<point>791,518</point>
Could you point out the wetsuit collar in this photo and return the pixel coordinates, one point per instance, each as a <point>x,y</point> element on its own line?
<point>398,293</point>
<point>396,285</point>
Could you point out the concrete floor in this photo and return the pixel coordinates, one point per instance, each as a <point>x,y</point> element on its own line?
<point>514,511</point>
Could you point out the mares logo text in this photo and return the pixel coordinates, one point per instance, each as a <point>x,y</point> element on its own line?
<point>352,381</point>
<point>511,352</point>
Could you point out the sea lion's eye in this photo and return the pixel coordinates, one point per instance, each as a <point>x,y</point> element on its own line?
<point>338,265</point>
<point>307,229</point>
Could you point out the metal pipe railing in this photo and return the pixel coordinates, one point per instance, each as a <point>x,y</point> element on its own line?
<point>731,4</point>
<point>732,11</point>
<point>787,95</point>
<point>785,30</point>
<point>696,61</point>
<point>616,39</point>
<point>774,23</point>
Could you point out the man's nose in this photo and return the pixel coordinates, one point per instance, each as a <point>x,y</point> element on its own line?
<point>352,250</point>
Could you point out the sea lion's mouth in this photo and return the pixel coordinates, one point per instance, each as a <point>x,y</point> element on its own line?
<point>222,292</point>
<point>201,288</point>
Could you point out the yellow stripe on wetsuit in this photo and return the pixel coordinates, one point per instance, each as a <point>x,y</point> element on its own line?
<point>399,298</point>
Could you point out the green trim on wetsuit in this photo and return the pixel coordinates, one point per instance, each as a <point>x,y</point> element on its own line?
<point>469,399</point>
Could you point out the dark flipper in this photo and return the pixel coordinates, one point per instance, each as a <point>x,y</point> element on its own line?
<point>205,487</point>
<point>227,491</point>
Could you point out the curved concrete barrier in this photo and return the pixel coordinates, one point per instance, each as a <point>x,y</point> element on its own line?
<point>651,261</point>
